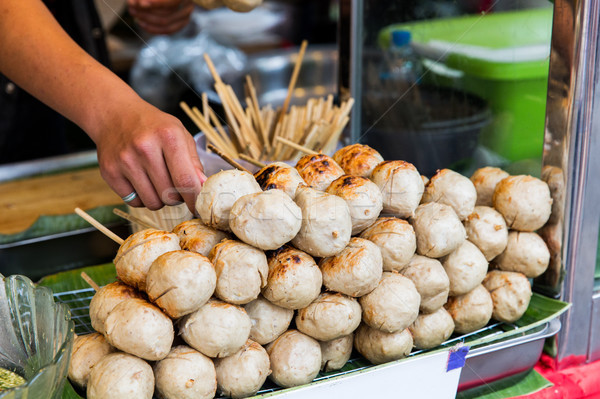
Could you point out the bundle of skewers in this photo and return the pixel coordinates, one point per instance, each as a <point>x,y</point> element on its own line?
<point>262,134</point>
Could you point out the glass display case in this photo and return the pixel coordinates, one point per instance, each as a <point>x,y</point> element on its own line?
<point>514,84</point>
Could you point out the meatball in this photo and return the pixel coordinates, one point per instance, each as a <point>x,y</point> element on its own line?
<point>524,201</point>
<point>401,187</point>
<point>466,268</point>
<point>355,271</point>
<point>485,181</point>
<point>430,330</point>
<point>363,198</point>
<point>381,347</point>
<point>219,193</point>
<point>510,294</point>
<point>431,282</point>
<point>294,279</point>
<point>438,230</point>
<point>395,238</point>
<point>243,373</point>
<point>487,229</point>
<point>330,316</point>
<point>195,236</point>
<point>119,375</point>
<point>279,175</point>
<point>525,253</point>
<point>319,170</point>
<point>358,159</point>
<point>266,220</point>
<point>470,311</point>
<point>451,188</point>
<point>295,359</point>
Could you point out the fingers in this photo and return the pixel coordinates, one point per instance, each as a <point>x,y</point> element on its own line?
<point>164,17</point>
<point>185,169</point>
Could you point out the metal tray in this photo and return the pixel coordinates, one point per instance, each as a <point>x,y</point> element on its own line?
<point>508,357</point>
<point>39,257</point>
<point>484,363</point>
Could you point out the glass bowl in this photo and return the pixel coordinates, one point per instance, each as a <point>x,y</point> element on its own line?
<point>36,337</point>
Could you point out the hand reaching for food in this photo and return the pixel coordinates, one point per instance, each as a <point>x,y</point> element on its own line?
<point>161,16</point>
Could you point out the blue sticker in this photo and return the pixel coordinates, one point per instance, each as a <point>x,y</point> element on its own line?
<point>457,357</point>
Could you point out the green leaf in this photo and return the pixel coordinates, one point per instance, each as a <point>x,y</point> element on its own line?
<point>521,384</point>
<point>69,392</point>
<point>47,225</point>
<point>71,280</point>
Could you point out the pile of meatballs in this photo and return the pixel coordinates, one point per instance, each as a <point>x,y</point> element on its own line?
<point>289,270</point>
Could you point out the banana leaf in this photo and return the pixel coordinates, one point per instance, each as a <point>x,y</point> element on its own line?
<point>47,225</point>
<point>521,384</point>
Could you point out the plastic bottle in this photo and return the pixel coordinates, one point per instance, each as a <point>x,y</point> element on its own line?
<point>403,64</point>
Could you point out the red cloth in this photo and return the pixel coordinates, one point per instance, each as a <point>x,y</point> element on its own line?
<point>572,381</point>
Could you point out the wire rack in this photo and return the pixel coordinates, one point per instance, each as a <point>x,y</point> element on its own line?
<point>79,303</point>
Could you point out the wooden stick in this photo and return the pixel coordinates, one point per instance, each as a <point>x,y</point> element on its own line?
<point>212,69</point>
<point>99,226</point>
<point>91,282</point>
<point>252,161</point>
<point>261,124</point>
<point>294,78</point>
<point>227,159</point>
<point>133,219</point>
<point>205,107</point>
<point>221,131</point>
<point>296,146</point>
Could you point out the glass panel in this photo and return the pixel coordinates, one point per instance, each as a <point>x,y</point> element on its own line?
<point>456,84</point>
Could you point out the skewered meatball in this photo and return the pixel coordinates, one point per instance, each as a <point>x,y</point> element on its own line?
<point>336,353</point>
<point>326,223</point>
<point>525,253</point>
<point>138,252</point>
<point>295,359</point>
<point>219,193</point>
<point>88,350</point>
<point>241,271</point>
<point>185,374</point>
<point>358,159</point>
<point>438,230</point>
<point>330,316</point>
<point>401,187</point>
<point>269,321</point>
<point>279,175</point>
<point>487,229</point>
<point>524,201</point>
<point>355,271</point>
<point>431,282</point>
<point>243,373</point>
<point>430,330</point>
<point>485,181</point>
<point>363,198</point>
<point>510,294</point>
<point>217,329</point>
<point>140,328</point>
<point>395,238</point>
<point>381,347</point>
<point>197,237</point>
<point>179,282</point>
<point>105,300</point>
<point>319,170</point>
<point>266,220</point>
<point>470,311</point>
<point>120,375</point>
<point>294,279</point>
<point>451,188</point>
<point>393,305</point>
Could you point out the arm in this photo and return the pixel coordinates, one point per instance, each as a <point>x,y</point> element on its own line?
<point>139,147</point>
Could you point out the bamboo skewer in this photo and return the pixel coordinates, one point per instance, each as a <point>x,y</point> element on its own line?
<point>91,282</point>
<point>227,159</point>
<point>294,78</point>
<point>133,219</point>
<point>99,226</point>
<point>296,146</point>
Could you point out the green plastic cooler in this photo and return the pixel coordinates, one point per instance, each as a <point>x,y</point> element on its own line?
<point>501,57</point>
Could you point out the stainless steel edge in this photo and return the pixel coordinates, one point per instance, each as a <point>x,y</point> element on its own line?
<point>571,147</point>
<point>594,344</point>
<point>24,169</point>
<point>350,44</point>
<point>549,329</point>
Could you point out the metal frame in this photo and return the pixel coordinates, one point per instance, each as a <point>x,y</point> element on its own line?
<point>571,147</point>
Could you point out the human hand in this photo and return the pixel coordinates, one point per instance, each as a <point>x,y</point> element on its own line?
<point>161,16</point>
<point>149,152</point>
